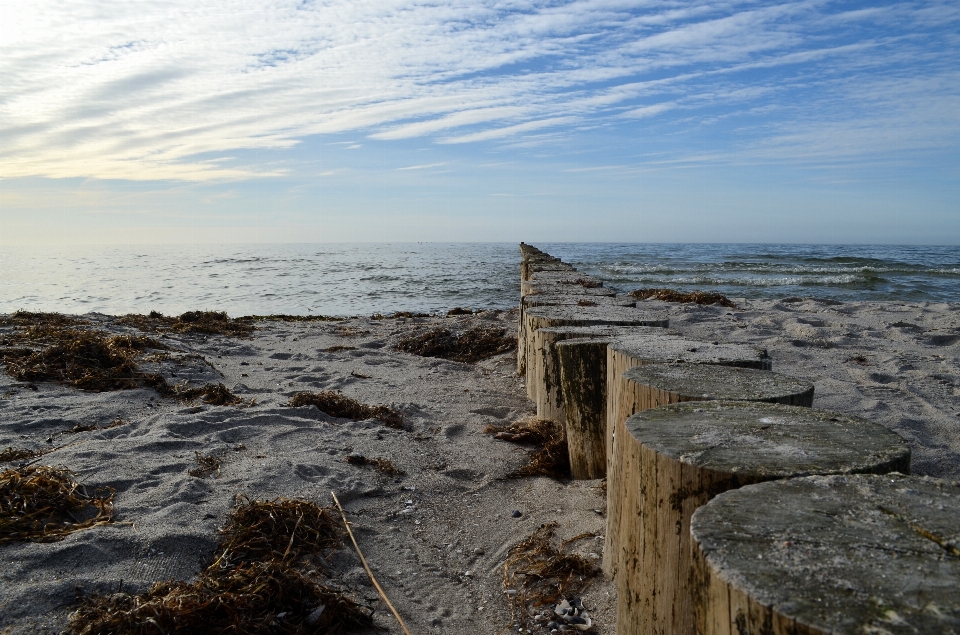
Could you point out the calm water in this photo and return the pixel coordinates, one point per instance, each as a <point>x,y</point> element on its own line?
<point>352,279</point>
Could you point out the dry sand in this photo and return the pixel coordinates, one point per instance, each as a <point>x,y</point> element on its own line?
<point>437,536</point>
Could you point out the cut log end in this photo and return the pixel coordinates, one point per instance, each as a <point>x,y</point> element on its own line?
<point>702,382</point>
<point>839,555</point>
<point>676,458</point>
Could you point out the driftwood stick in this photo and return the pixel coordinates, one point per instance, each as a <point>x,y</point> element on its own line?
<point>367,567</point>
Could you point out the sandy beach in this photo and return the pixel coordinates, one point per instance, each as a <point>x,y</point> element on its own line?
<point>435,536</point>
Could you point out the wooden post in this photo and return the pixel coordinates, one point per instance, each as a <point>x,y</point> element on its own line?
<point>534,287</point>
<point>532,266</point>
<point>583,389</point>
<point>583,386</point>
<point>653,385</point>
<point>838,555</point>
<point>559,297</point>
<point>546,369</point>
<point>681,456</point>
<point>549,316</point>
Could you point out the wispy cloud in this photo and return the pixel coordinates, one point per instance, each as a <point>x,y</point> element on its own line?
<point>422,167</point>
<point>160,90</point>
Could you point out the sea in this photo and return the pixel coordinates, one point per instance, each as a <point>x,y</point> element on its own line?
<point>341,279</point>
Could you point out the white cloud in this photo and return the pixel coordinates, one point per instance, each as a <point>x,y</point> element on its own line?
<point>158,90</point>
<point>422,167</point>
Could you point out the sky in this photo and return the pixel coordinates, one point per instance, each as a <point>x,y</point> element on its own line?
<point>490,120</point>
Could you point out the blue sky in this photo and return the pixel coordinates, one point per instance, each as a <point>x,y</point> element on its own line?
<point>734,121</point>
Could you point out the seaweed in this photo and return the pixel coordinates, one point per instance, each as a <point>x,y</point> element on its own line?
<point>549,456</point>
<point>12,454</point>
<point>204,322</point>
<point>350,331</point>
<point>206,464</point>
<point>697,297</point>
<point>49,320</point>
<point>213,394</point>
<point>283,317</point>
<point>44,504</point>
<point>538,573</point>
<point>83,359</point>
<point>398,314</point>
<point>385,466</point>
<point>90,427</point>
<point>468,346</point>
<point>337,349</point>
<point>338,405</point>
<point>459,311</point>
<point>269,577</point>
<point>586,303</point>
<point>94,361</point>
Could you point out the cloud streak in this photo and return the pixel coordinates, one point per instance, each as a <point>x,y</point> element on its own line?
<point>167,90</point>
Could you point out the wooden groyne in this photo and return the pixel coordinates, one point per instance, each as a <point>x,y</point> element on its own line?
<point>707,452</point>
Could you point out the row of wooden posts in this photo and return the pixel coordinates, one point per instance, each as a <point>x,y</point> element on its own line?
<point>733,506</point>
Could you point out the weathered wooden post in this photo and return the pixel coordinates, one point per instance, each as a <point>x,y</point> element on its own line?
<point>550,316</point>
<point>535,265</point>
<point>546,369</point>
<point>583,386</point>
<point>678,457</point>
<point>558,297</point>
<point>843,555</point>
<point>654,385</point>
<point>535,287</point>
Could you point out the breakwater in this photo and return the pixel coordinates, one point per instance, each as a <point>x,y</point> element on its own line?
<point>695,436</point>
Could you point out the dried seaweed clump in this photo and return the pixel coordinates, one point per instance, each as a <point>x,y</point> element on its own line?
<point>206,322</point>
<point>43,504</point>
<point>539,573</point>
<point>206,464</point>
<point>336,404</point>
<point>468,346</point>
<point>12,454</point>
<point>459,310</point>
<point>697,297</point>
<point>549,456</point>
<point>269,577</point>
<point>48,320</point>
<point>87,360</point>
<point>398,314</point>
<point>283,317</point>
<point>213,394</point>
<point>385,466</point>
<point>90,427</point>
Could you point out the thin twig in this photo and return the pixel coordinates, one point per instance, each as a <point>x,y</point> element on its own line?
<point>292,535</point>
<point>367,567</point>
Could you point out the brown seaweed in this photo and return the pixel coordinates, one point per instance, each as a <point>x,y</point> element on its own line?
<point>468,346</point>
<point>338,405</point>
<point>202,322</point>
<point>540,572</point>
<point>549,457</point>
<point>697,297</point>
<point>283,317</point>
<point>206,464</point>
<point>12,454</point>
<point>268,577</point>
<point>43,503</point>
<point>383,465</point>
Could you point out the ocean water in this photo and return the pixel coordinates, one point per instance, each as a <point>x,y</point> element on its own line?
<point>360,279</point>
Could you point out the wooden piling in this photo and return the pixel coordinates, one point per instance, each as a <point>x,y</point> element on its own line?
<point>678,457</point>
